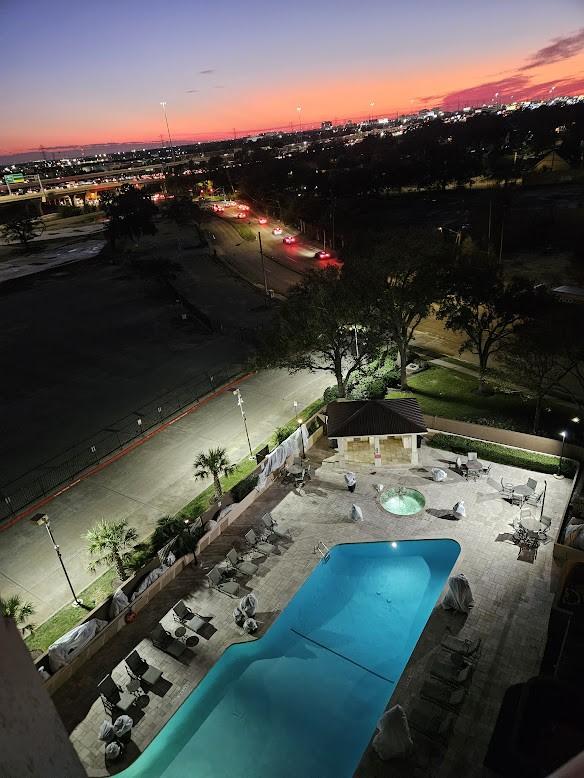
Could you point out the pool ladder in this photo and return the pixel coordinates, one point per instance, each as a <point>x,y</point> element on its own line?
<point>322,549</point>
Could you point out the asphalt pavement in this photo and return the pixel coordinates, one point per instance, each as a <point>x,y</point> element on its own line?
<point>151,481</point>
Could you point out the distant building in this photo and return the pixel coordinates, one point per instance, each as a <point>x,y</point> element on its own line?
<point>326,125</point>
<point>571,294</point>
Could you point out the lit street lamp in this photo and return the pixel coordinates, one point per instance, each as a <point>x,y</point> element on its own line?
<point>559,473</point>
<point>237,394</point>
<point>371,105</point>
<point>163,104</point>
<point>299,109</point>
<point>43,521</point>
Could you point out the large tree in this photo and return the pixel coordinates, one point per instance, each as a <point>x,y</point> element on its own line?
<point>22,228</point>
<point>537,357</point>
<point>213,463</point>
<point>130,213</point>
<point>14,607</point>
<point>316,326</point>
<point>485,309</point>
<point>398,276</point>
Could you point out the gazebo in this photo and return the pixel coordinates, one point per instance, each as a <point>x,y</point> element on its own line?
<point>376,432</point>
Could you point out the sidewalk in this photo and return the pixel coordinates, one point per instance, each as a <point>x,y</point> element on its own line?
<point>21,265</point>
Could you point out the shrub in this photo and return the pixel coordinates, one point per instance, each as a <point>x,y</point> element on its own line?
<point>284,432</point>
<point>244,487</point>
<point>331,393</point>
<point>139,557</point>
<point>494,452</point>
<point>373,382</point>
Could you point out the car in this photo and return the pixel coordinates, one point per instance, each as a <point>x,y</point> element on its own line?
<point>241,215</point>
<point>262,220</point>
<point>243,207</point>
<point>277,231</point>
<point>322,254</point>
<point>289,239</point>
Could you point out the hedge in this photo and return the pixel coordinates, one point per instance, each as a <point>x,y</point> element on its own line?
<point>503,455</point>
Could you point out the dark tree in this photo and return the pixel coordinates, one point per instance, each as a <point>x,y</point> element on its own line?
<point>130,213</point>
<point>315,329</point>
<point>482,307</point>
<point>399,274</point>
<point>22,229</point>
<point>182,211</point>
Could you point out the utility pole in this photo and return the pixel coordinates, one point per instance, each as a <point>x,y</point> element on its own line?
<point>237,394</point>
<point>43,521</point>
<point>263,266</point>
<point>163,104</point>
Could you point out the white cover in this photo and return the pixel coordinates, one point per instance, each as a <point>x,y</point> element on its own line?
<point>350,478</point>
<point>250,625</point>
<point>459,596</point>
<point>113,751</point>
<point>393,737</point>
<point>122,725</point>
<point>238,616</point>
<point>356,513</point>
<point>438,474</point>
<point>291,447</point>
<point>119,603</point>
<point>574,533</point>
<point>44,674</point>
<point>249,604</point>
<point>106,731</point>
<point>459,510</point>
<point>69,645</point>
<point>148,580</point>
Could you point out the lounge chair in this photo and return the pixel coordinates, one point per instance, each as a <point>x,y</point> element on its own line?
<point>431,721</point>
<point>184,615</point>
<point>259,545</point>
<point>267,528</point>
<point>506,489</point>
<point>243,566</point>
<point>227,587</point>
<point>139,668</point>
<point>443,694</point>
<point>165,642</point>
<point>113,696</point>
<point>464,647</point>
<point>450,671</point>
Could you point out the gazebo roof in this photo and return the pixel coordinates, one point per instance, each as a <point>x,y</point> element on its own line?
<point>357,418</point>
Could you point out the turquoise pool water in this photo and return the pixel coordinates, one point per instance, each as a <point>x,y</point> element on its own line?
<point>304,699</point>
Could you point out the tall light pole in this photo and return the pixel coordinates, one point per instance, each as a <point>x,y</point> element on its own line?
<point>163,104</point>
<point>43,521</point>
<point>371,105</point>
<point>237,394</point>
<point>559,473</point>
<point>299,110</point>
<point>263,267</point>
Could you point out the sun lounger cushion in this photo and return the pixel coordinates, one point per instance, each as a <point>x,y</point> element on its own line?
<point>393,737</point>
<point>460,645</point>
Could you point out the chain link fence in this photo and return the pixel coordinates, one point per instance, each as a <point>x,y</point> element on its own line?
<point>45,478</point>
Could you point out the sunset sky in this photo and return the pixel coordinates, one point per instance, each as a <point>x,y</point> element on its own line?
<point>91,73</point>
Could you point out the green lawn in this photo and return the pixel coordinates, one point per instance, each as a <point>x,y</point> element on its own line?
<point>448,393</point>
<point>68,617</point>
<point>246,232</point>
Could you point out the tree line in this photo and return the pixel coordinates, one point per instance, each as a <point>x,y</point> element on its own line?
<point>341,319</point>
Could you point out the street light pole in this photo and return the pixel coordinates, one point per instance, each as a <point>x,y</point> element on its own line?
<point>559,473</point>
<point>237,393</point>
<point>263,266</point>
<point>43,521</point>
<point>299,109</point>
<point>163,104</point>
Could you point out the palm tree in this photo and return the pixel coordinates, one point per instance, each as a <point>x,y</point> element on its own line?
<point>213,463</point>
<point>14,608</point>
<point>111,540</point>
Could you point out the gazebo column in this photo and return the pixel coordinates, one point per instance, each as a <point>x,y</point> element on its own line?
<point>342,448</point>
<point>414,447</point>
<point>376,451</point>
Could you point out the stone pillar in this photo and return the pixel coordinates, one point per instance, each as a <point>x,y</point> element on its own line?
<point>377,451</point>
<point>414,446</point>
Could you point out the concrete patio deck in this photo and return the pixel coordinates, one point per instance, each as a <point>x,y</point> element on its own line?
<point>512,603</point>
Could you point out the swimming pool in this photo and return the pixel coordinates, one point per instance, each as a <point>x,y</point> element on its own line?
<point>304,699</point>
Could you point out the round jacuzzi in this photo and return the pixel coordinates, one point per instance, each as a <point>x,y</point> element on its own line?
<point>402,501</point>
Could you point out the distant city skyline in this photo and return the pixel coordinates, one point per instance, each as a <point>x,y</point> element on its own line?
<point>96,75</point>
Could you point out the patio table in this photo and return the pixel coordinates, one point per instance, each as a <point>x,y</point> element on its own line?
<point>531,524</point>
<point>474,464</point>
<point>295,469</point>
<point>523,489</point>
<point>190,641</point>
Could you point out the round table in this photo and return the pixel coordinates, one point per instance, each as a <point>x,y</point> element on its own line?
<point>474,464</point>
<point>295,469</point>
<point>134,687</point>
<point>191,641</point>
<point>531,524</point>
<point>523,489</point>
<point>180,632</point>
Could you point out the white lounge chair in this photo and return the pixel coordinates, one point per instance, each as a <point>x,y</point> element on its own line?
<point>241,565</point>
<point>259,545</point>
<point>230,588</point>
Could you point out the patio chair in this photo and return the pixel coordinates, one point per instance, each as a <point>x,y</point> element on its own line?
<point>506,489</point>
<point>268,528</point>
<point>449,671</point>
<point>532,483</point>
<point>459,464</point>
<point>164,641</point>
<point>471,456</point>
<point>299,479</point>
<point>487,469</point>
<point>517,499</point>
<point>216,581</point>
<point>429,720</point>
<point>139,668</point>
<point>464,647</point>
<point>546,523</point>
<point>241,565</point>
<point>443,695</point>
<point>113,696</point>
<point>184,615</point>
<point>259,545</point>
<point>534,499</point>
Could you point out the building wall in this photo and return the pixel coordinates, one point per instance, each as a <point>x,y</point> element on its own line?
<point>33,740</point>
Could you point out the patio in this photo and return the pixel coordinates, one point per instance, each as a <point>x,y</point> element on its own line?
<point>513,593</point>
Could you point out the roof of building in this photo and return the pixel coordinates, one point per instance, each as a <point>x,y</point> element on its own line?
<point>356,418</point>
<point>570,291</point>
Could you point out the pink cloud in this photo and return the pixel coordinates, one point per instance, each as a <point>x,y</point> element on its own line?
<point>557,51</point>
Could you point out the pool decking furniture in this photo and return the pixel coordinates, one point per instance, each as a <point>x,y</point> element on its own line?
<point>464,647</point>
<point>443,694</point>
<point>139,669</point>
<point>447,670</point>
<point>431,721</point>
<point>260,545</point>
<point>114,697</point>
<point>241,565</point>
<point>165,642</point>
<point>184,615</point>
<point>216,581</point>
